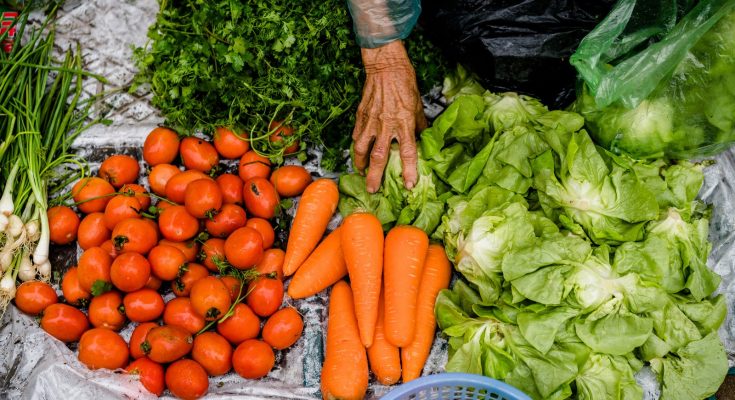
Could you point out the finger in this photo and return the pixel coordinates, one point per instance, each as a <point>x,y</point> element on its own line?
<point>379,156</point>
<point>363,141</point>
<point>420,120</point>
<point>409,155</point>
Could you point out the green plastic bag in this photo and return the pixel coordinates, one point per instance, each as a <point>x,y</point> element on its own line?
<point>658,78</point>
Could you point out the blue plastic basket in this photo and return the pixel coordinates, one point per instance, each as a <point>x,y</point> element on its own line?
<point>454,386</point>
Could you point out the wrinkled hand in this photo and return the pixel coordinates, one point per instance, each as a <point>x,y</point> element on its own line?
<point>390,109</point>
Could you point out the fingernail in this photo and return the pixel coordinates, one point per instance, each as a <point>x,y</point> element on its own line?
<point>372,189</point>
<point>409,185</point>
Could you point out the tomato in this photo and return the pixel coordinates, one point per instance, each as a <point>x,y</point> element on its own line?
<point>120,208</point>
<point>283,328</point>
<point>278,133</point>
<point>229,144</point>
<point>163,205</point>
<point>160,175</point>
<point>153,283</point>
<point>143,305</point>
<point>109,248</point>
<point>265,229</point>
<point>290,180</point>
<point>210,298</point>
<point>34,297</point>
<point>64,322</point>
<point>272,263</point>
<point>133,189</point>
<point>231,188</point>
<point>106,311</point>
<point>134,235</point>
<point>242,325</point>
<point>150,373</point>
<point>63,224</point>
<point>226,221</point>
<point>252,165</point>
<point>177,224</point>
<point>176,186</point>
<point>192,273</point>
<point>92,231</point>
<point>138,337</point>
<point>212,250</point>
<point>260,198</point>
<point>167,262</point>
<point>103,348</point>
<point>94,266</point>
<point>92,194</point>
<point>233,285</point>
<point>186,379</point>
<point>244,248</point>
<point>167,343</point>
<point>265,296</point>
<point>213,352</point>
<point>203,198</point>
<point>72,289</point>
<point>189,248</point>
<point>179,312</point>
<point>130,272</point>
<point>253,359</point>
<point>161,146</point>
<point>119,170</point>
<point>198,154</point>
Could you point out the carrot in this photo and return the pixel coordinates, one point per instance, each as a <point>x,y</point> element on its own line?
<point>325,266</point>
<point>385,360</point>
<point>436,276</point>
<point>405,252</point>
<point>345,369</point>
<point>362,246</point>
<point>315,209</point>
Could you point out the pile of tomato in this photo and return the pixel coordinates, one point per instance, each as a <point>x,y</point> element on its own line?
<point>198,232</point>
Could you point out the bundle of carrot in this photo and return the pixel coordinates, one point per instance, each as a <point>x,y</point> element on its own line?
<point>386,314</point>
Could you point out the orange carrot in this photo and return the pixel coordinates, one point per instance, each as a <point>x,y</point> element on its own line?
<point>315,209</point>
<point>436,276</point>
<point>405,252</point>
<point>385,359</point>
<point>362,245</point>
<point>345,369</point>
<point>325,266</point>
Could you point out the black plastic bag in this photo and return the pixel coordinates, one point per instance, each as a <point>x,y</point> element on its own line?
<point>515,45</point>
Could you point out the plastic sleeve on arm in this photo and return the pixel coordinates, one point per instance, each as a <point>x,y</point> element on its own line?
<point>377,22</point>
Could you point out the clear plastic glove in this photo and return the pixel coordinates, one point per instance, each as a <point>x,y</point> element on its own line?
<point>390,109</point>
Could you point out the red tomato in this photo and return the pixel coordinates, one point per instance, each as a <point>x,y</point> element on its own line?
<point>252,165</point>
<point>160,175</point>
<point>187,379</point>
<point>143,305</point>
<point>272,263</point>
<point>130,272</point>
<point>134,235</point>
<point>278,135</point>
<point>179,312</point>
<point>92,194</point>
<point>72,289</point>
<point>198,154</point>
<point>176,224</point>
<point>265,296</point>
<point>166,262</point>
<point>233,285</point>
<point>150,373</point>
<point>138,337</point>
<point>103,348</point>
<point>64,322</point>
<point>213,352</point>
<point>260,198</point>
<point>34,297</point>
<point>176,186</point>
<point>120,208</point>
<point>244,248</point>
<point>212,250</point>
<point>166,343</point>
<point>153,283</point>
<point>229,144</point>
<point>283,328</point>
<point>192,273</point>
<point>109,248</point>
<point>242,325</point>
<point>290,180</point>
<point>92,231</point>
<point>203,198</point>
<point>189,248</point>
<point>119,170</point>
<point>133,189</point>
<point>226,221</point>
<point>106,311</point>
<point>265,229</point>
<point>231,187</point>
<point>94,266</point>
<point>210,298</point>
<point>253,359</point>
<point>161,146</point>
<point>63,224</point>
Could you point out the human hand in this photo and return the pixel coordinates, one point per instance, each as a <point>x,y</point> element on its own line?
<point>390,109</point>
